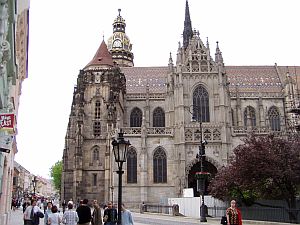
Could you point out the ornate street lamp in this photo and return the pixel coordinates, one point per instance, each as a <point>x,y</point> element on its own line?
<point>120,147</point>
<point>200,176</point>
<point>34,184</point>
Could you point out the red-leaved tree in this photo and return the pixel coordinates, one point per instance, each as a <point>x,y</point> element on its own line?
<point>262,167</point>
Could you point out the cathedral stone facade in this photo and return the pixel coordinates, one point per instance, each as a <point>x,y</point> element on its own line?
<point>153,106</point>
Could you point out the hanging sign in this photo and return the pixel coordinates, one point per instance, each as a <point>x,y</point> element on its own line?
<point>7,121</point>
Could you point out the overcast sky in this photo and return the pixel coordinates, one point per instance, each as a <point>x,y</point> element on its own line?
<point>65,34</point>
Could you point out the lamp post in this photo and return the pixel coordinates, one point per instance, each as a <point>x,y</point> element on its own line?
<point>120,147</point>
<point>197,117</point>
<point>34,184</point>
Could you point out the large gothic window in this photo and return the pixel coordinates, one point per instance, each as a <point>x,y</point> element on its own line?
<point>201,104</point>
<point>97,110</point>
<point>274,118</point>
<point>159,166</point>
<point>249,117</point>
<point>136,118</point>
<point>131,166</point>
<point>95,154</point>
<point>158,117</point>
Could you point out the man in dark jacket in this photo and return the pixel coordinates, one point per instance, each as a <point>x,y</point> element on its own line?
<point>84,213</point>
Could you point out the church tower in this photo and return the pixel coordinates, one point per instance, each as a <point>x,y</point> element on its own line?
<point>97,105</point>
<point>198,88</point>
<point>119,44</point>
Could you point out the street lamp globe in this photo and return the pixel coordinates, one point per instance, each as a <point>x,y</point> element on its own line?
<point>120,147</point>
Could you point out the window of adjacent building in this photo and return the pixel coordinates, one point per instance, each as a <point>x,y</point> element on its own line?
<point>201,104</point>
<point>97,110</point>
<point>159,166</point>
<point>158,117</point>
<point>274,118</point>
<point>95,154</point>
<point>97,128</point>
<point>131,166</point>
<point>249,117</point>
<point>94,179</point>
<point>136,118</point>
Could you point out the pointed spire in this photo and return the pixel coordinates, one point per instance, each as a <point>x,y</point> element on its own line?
<point>102,57</point>
<point>170,59</point>
<point>207,43</point>
<point>218,54</point>
<point>187,31</point>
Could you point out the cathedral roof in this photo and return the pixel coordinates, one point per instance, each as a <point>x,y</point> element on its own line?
<point>254,78</point>
<point>241,78</point>
<point>102,57</point>
<point>137,79</point>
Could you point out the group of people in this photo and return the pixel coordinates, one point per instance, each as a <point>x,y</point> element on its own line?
<point>83,215</point>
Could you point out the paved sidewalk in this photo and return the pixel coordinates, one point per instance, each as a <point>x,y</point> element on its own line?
<point>16,218</point>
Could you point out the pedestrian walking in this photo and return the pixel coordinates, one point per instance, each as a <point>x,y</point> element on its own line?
<point>70,216</point>
<point>96,215</point>
<point>110,216</point>
<point>126,216</point>
<point>47,212</point>
<point>233,214</point>
<point>32,214</point>
<point>84,213</point>
<point>54,217</point>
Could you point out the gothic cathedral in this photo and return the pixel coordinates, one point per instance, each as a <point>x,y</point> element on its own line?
<point>154,105</point>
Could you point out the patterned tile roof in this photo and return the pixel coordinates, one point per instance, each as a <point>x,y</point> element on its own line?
<point>137,79</point>
<point>244,78</point>
<point>253,78</point>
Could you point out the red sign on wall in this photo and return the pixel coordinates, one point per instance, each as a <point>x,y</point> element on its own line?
<point>7,121</point>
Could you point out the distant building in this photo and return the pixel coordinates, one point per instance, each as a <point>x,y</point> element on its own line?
<point>152,105</point>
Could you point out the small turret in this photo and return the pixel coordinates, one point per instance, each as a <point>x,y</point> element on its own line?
<point>218,55</point>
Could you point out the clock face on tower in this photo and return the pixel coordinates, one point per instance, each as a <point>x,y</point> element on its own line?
<point>117,43</point>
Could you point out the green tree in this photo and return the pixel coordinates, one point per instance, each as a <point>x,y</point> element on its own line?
<point>55,173</point>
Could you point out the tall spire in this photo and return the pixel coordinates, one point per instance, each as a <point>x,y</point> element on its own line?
<point>187,31</point>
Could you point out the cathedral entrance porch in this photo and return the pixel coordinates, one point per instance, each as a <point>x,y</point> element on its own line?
<point>192,181</point>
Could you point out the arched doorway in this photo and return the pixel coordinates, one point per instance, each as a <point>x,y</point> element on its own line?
<point>192,182</point>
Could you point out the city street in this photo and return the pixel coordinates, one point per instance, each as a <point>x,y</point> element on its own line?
<point>153,219</point>
<point>139,219</point>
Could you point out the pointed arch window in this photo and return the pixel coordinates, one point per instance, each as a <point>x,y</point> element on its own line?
<point>97,110</point>
<point>274,118</point>
<point>249,117</point>
<point>159,166</point>
<point>136,118</point>
<point>95,154</point>
<point>201,104</point>
<point>131,166</point>
<point>158,117</point>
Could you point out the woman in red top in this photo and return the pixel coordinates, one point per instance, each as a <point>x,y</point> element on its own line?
<point>233,214</point>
